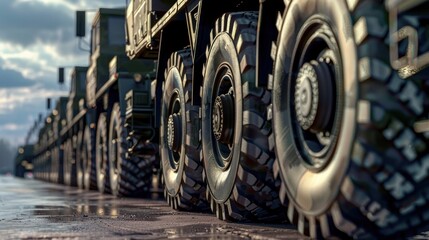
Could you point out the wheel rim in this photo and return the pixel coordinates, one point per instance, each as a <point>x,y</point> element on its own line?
<point>174,130</point>
<point>315,97</point>
<point>114,156</point>
<point>86,165</point>
<point>67,173</point>
<point>223,120</point>
<point>100,163</point>
<point>88,158</point>
<point>80,161</point>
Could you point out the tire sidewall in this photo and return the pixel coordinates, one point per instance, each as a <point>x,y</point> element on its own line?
<point>221,181</point>
<point>172,178</point>
<point>313,192</point>
<point>79,160</point>
<point>67,164</point>
<point>86,178</point>
<point>113,128</point>
<point>100,172</point>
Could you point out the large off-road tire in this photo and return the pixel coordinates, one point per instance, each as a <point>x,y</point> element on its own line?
<point>89,171</point>
<point>79,160</point>
<point>237,159</point>
<point>351,160</point>
<point>101,155</point>
<point>61,163</point>
<point>69,164</point>
<point>55,165</point>
<point>72,162</point>
<point>126,176</point>
<point>180,147</point>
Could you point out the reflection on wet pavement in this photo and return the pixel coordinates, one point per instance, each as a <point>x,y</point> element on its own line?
<point>31,209</point>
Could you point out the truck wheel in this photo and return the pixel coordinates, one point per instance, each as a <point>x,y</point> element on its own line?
<point>237,160</point>
<point>55,165</point>
<point>89,171</point>
<point>79,160</point>
<point>101,155</point>
<point>126,179</point>
<point>182,170</point>
<point>72,162</point>
<point>69,164</point>
<point>348,153</point>
<point>61,161</point>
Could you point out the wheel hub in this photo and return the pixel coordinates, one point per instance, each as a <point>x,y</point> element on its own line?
<point>174,132</point>
<point>223,118</point>
<point>314,94</point>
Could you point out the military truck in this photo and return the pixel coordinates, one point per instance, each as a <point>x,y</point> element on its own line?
<point>321,106</point>
<point>99,137</point>
<point>57,152</point>
<point>24,161</point>
<point>42,149</point>
<point>71,134</point>
<point>25,164</point>
<point>105,146</point>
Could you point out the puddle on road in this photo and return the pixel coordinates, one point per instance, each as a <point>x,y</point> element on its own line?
<point>46,210</point>
<point>41,210</point>
<point>98,209</point>
<point>225,231</point>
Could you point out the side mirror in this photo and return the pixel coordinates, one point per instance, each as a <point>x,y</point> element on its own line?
<point>80,23</point>
<point>48,103</point>
<point>61,75</point>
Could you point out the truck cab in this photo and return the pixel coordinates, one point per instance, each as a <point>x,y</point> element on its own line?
<point>77,91</point>
<point>107,41</point>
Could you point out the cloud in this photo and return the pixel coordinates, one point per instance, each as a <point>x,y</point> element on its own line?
<point>13,79</point>
<point>11,127</point>
<point>24,22</point>
<point>36,37</point>
<point>20,107</point>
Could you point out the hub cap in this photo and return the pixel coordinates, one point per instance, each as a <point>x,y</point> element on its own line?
<point>313,96</point>
<point>223,116</point>
<point>223,124</point>
<point>174,132</point>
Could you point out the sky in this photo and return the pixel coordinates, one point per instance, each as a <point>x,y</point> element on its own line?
<point>37,37</point>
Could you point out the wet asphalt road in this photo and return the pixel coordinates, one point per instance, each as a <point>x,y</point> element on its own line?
<point>30,209</point>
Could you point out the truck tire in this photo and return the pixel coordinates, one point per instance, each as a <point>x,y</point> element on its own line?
<point>350,159</point>
<point>180,147</point>
<point>101,155</point>
<point>69,164</point>
<point>89,171</point>
<point>126,177</point>
<point>66,165</point>
<point>61,161</point>
<point>72,162</point>
<point>236,155</point>
<point>79,160</point>
<point>55,165</point>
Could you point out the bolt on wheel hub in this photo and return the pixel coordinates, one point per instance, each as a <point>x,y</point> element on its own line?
<point>314,96</point>
<point>223,118</point>
<point>174,132</point>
